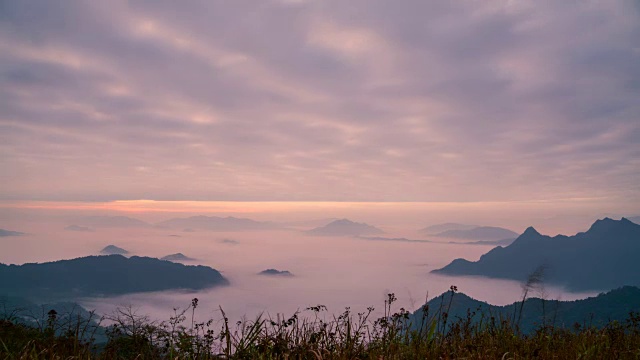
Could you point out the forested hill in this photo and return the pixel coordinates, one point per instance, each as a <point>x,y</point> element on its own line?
<point>598,311</point>
<point>103,276</point>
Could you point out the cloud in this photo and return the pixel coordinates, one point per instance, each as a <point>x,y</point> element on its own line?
<point>320,100</point>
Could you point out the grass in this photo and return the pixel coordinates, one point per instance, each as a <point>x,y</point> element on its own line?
<point>309,335</point>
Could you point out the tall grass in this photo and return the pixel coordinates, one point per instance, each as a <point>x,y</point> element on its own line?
<point>314,334</point>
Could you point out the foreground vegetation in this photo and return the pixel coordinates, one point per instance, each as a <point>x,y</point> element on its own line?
<point>310,335</point>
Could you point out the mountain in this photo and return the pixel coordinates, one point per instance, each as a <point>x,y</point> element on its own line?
<point>4,232</point>
<point>480,233</point>
<point>596,311</point>
<point>438,228</point>
<point>603,257</point>
<point>113,250</point>
<point>112,222</point>
<point>217,223</point>
<point>635,219</point>
<point>78,228</point>
<point>345,227</point>
<point>177,257</point>
<point>274,272</point>
<point>103,276</point>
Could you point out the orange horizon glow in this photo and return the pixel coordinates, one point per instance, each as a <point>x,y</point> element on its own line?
<point>189,206</point>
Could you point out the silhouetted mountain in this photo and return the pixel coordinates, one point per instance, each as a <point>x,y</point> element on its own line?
<point>177,257</point>
<point>274,272</point>
<point>604,257</point>
<point>113,250</point>
<point>4,232</point>
<point>597,311</point>
<point>635,219</point>
<point>217,223</point>
<point>438,228</point>
<point>103,276</point>
<point>480,233</point>
<point>78,228</point>
<point>345,227</point>
<point>112,221</point>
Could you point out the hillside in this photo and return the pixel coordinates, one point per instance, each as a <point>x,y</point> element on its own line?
<point>345,227</point>
<point>604,257</point>
<point>103,276</point>
<point>598,311</point>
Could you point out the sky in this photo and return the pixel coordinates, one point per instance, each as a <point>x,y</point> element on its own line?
<point>347,101</point>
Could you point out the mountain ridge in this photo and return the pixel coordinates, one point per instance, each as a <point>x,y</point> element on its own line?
<point>603,257</point>
<point>344,227</point>
<point>104,275</point>
<point>597,311</point>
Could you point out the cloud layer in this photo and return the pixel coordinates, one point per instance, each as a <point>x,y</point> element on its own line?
<point>364,100</point>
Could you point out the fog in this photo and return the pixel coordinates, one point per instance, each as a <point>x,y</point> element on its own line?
<point>332,271</point>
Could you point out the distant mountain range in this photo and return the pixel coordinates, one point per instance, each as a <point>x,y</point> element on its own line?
<point>481,233</point>
<point>112,222</point>
<point>503,242</point>
<point>402,239</point>
<point>103,276</point>
<point>398,239</point>
<point>229,241</point>
<point>113,250</point>
<point>177,257</point>
<point>274,272</point>
<point>439,228</point>
<point>4,232</point>
<point>307,223</point>
<point>345,227</point>
<point>604,257</point>
<point>78,228</point>
<point>217,223</point>
<point>597,311</point>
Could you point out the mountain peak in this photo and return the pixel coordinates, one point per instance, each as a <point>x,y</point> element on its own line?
<point>614,243</point>
<point>531,231</point>
<point>113,250</point>
<point>345,227</point>
<point>343,221</point>
<point>608,224</point>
